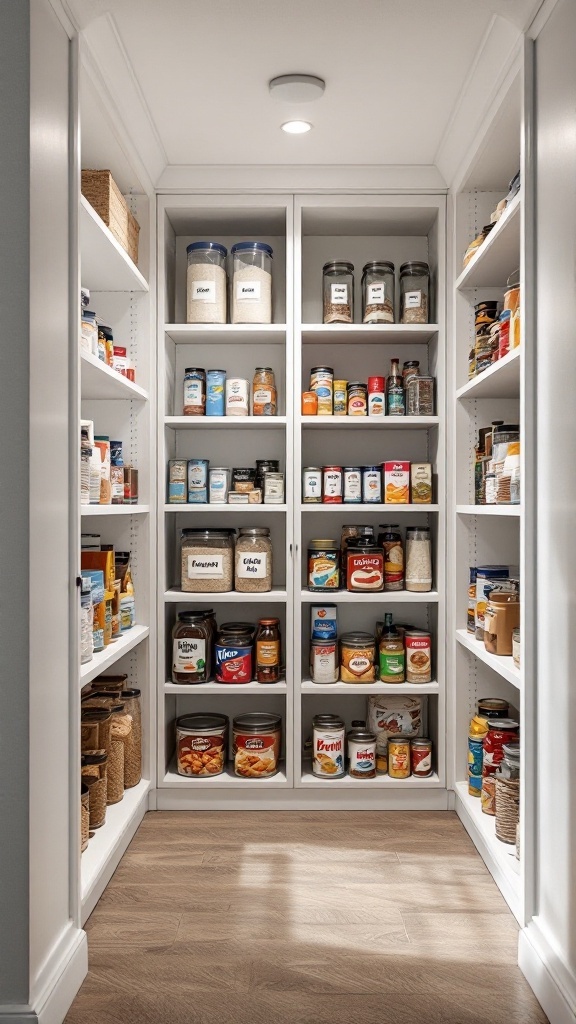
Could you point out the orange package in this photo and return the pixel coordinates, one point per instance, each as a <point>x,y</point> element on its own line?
<point>397,483</point>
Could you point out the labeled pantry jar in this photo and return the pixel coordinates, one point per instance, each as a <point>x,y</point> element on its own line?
<point>338,292</point>
<point>378,293</point>
<point>264,397</point>
<point>206,283</point>
<point>256,745</point>
<point>251,283</point>
<point>207,561</point>
<point>254,560</point>
<point>414,292</point>
<point>418,559</point>
<point>201,744</point>
<point>191,648</point>
<point>357,657</point>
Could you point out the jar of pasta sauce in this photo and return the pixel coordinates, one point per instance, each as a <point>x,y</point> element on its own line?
<point>256,745</point>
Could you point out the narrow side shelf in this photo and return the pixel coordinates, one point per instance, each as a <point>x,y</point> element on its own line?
<point>499,857</point>
<point>499,254</point>
<point>101,381</point>
<point>216,508</point>
<point>114,510</point>
<point>349,506</point>
<point>501,380</point>
<point>103,660</point>
<point>501,664</point>
<point>380,782</point>
<point>106,267</point>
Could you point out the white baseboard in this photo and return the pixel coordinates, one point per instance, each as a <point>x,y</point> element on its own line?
<point>553,984</point>
<point>57,984</point>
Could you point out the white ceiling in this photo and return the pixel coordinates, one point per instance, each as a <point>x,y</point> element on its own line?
<point>394,72</point>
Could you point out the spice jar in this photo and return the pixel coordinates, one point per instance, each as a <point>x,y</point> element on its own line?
<point>264,392</point>
<point>191,653</point>
<point>338,276</point>
<point>268,651</point>
<point>256,745</point>
<point>93,769</point>
<point>251,283</point>
<point>253,572</point>
<point>418,559</point>
<point>194,391</point>
<point>420,395</point>
<point>378,293</point>
<point>361,753</point>
<point>206,283</point>
<point>323,565</point>
<point>201,744</point>
<point>357,657</point>
<point>207,561</point>
<point>414,290</point>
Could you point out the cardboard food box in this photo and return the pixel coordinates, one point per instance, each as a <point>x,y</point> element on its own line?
<point>397,483</point>
<point>421,478</point>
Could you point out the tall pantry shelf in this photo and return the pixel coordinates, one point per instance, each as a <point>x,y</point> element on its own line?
<point>121,297</point>
<point>485,535</point>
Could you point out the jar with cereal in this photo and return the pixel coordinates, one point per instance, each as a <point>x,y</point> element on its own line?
<point>254,560</point>
<point>207,561</point>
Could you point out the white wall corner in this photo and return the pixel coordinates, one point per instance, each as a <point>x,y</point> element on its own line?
<point>499,49</point>
<point>552,982</point>
<point>57,983</point>
<point>302,178</point>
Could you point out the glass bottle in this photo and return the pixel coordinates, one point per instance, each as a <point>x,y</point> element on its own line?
<point>268,651</point>
<point>395,391</point>
<point>392,658</point>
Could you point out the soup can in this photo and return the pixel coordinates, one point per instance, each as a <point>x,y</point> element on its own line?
<point>421,757</point>
<point>361,754</point>
<point>332,485</point>
<point>198,481</point>
<point>371,485</point>
<point>352,485</point>
<point>311,484</point>
<point>328,747</point>
<point>399,757</point>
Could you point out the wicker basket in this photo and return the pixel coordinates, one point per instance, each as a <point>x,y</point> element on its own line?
<point>103,194</point>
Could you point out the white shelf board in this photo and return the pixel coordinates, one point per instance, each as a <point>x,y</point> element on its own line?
<point>379,782</point>
<point>100,381</point>
<point>499,857</point>
<point>216,508</point>
<point>103,660</point>
<point>350,506</point>
<point>104,264</point>
<point>225,334</point>
<point>370,422</point>
<point>501,664</point>
<point>114,510</point>
<point>174,596</point>
<point>489,510</point>
<point>499,254</point>
<point>501,380</point>
<point>213,687</point>
<point>109,843</point>
<point>228,780</point>
<point>388,597</point>
<point>225,422</point>
<point>368,334</point>
<point>308,687</point>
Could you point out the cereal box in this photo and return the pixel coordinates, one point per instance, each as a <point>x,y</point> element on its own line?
<point>397,483</point>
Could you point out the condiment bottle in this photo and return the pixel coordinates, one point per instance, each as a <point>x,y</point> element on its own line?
<point>395,391</point>
<point>268,651</point>
<point>392,655</point>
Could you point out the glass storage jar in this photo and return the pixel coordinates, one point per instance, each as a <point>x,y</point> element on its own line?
<point>207,561</point>
<point>420,396</point>
<point>256,744</point>
<point>206,283</point>
<point>414,292</point>
<point>251,283</point>
<point>418,559</point>
<point>94,776</point>
<point>191,648</point>
<point>378,293</point>
<point>253,573</point>
<point>264,395</point>
<point>338,289</point>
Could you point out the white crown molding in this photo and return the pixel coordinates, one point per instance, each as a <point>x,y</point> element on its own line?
<point>553,982</point>
<point>543,11</point>
<point>301,178</point>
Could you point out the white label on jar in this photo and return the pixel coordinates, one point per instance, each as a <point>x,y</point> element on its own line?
<point>237,393</point>
<point>248,290</point>
<point>312,484</point>
<point>192,393</point>
<point>376,294</point>
<point>352,484</point>
<point>189,654</point>
<point>339,294</point>
<point>412,300</point>
<point>251,566</point>
<point>263,396</point>
<point>200,566</point>
<point>203,291</point>
<point>332,484</point>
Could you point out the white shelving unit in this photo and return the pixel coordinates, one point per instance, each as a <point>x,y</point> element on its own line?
<point>114,510</point>
<point>103,660</point>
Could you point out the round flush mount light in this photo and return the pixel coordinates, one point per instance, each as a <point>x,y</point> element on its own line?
<point>297,88</point>
<point>296,127</point>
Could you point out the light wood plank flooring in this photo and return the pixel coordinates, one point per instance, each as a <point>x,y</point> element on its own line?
<point>307,918</point>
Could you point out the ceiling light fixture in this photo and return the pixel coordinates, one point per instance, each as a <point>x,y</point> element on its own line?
<point>296,127</point>
<point>297,88</point>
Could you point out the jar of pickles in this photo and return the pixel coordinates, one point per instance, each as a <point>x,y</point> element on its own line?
<point>378,293</point>
<point>414,293</point>
<point>338,292</point>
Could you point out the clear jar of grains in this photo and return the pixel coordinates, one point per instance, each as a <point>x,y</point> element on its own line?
<point>206,283</point>
<point>251,283</point>
<point>378,293</point>
<point>254,560</point>
<point>418,559</point>
<point>338,289</point>
<point>207,561</point>
<point>414,293</point>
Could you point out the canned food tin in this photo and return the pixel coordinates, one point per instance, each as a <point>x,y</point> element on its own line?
<point>332,484</point>
<point>201,744</point>
<point>340,397</point>
<point>256,745</point>
<point>219,485</point>
<point>323,565</point>
<point>364,567</point>
<point>177,489</point>
<point>312,484</point>
<point>361,754</point>
<point>194,391</point>
<point>324,622</point>
<point>198,481</point>
<point>233,657</point>
<point>237,396</point>
<point>371,484</point>
<point>357,399</point>
<point>418,644</point>
<point>328,747</point>
<point>421,757</point>
<point>399,758</point>
<point>324,661</point>
<point>353,485</point>
<point>215,392</point>
<point>273,488</point>
<point>322,382</point>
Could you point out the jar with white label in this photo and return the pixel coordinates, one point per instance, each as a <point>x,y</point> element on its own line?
<point>378,293</point>
<point>191,649</point>
<point>338,292</point>
<point>254,560</point>
<point>207,561</point>
<point>237,396</point>
<point>251,283</point>
<point>414,292</point>
<point>312,484</point>
<point>206,283</point>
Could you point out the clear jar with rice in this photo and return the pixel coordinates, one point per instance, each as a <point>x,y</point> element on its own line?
<point>207,561</point>
<point>253,573</point>
<point>206,283</point>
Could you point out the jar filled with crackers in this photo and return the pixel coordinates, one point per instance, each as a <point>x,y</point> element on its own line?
<point>256,745</point>
<point>201,744</point>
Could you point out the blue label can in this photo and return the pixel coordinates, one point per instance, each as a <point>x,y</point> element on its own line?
<point>324,624</point>
<point>215,392</point>
<point>475,762</point>
<point>371,484</point>
<point>198,481</point>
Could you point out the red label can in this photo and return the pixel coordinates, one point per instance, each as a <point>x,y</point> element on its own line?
<point>233,663</point>
<point>375,384</point>
<point>332,493</point>
<point>500,731</point>
<point>365,571</point>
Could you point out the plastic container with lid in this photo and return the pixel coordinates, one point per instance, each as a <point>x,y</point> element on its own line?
<point>191,649</point>
<point>207,561</point>
<point>338,291</point>
<point>251,283</point>
<point>414,293</point>
<point>420,395</point>
<point>201,744</point>
<point>206,283</point>
<point>256,745</point>
<point>378,292</point>
<point>253,572</point>
<point>418,559</point>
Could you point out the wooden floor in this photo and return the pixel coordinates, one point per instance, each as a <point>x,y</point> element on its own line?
<point>307,918</point>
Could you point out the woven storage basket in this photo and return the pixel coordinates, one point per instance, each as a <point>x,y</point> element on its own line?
<point>103,194</point>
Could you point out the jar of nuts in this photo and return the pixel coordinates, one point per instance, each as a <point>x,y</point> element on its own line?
<point>338,292</point>
<point>254,560</point>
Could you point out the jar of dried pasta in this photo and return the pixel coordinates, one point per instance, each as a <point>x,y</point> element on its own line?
<point>254,560</point>
<point>94,763</point>
<point>207,561</point>
<point>414,291</point>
